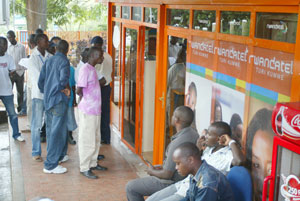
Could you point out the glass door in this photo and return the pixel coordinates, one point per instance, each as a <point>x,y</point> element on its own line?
<point>130,93</point>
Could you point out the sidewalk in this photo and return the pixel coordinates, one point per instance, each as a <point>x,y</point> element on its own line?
<point>29,181</point>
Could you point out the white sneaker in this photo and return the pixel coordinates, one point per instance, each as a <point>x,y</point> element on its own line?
<point>65,159</point>
<point>20,138</point>
<point>58,170</point>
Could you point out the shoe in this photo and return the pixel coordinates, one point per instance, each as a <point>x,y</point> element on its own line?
<point>37,158</point>
<point>58,170</point>
<point>104,142</point>
<point>89,174</point>
<point>65,159</point>
<point>20,138</point>
<point>43,139</point>
<point>100,157</point>
<point>99,167</point>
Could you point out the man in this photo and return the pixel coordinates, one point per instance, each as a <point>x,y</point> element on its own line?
<point>206,183</point>
<point>37,58</point>
<point>163,176</point>
<point>173,50</point>
<point>89,108</point>
<point>53,82</point>
<point>104,69</point>
<point>7,66</point>
<point>220,151</point>
<point>17,51</point>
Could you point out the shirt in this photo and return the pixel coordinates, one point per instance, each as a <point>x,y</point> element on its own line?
<point>187,134</point>
<point>209,184</point>
<point>17,52</point>
<point>6,65</point>
<point>105,69</point>
<point>79,65</point>
<point>54,77</point>
<point>90,103</point>
<point>71,84</point>
<point>37,60</point>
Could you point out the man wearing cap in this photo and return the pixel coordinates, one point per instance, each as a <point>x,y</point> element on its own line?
<point>104,69</point>
<point>17,51</point>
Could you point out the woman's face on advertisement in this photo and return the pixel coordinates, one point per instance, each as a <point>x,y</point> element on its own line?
<point>261,160</point>
<point>191,99</point>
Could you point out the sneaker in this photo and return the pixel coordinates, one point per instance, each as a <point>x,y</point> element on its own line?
<point>37,158</point>
<point>20,138</point>
<point>65,159</point>
<point>58,170</point>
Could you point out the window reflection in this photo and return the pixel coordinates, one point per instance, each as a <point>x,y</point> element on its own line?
<point>137,13</point>
<point>277,26</point>
<point>204,20</point>
<point>236,23</point>
<point>125,12</point>
<point>151,15</point>
<point>178,18</point>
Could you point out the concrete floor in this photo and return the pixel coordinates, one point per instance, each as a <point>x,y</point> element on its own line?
<point>21,178</point>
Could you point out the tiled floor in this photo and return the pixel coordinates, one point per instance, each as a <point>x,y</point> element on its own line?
<point>72,186</point>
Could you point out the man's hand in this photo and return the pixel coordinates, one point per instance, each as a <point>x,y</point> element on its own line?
<point>224,140</point>
<point>66,91</point>
<point>151,169</point>
<point>201,143</point>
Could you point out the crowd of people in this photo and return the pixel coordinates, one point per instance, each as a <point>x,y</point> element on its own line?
<point>49,98</point>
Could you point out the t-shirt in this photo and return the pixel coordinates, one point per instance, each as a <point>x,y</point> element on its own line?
<point>72,84</point>
<point>6,64</point>
<point>185,135</point>
<point>105,68</point>
<point>91,100</point>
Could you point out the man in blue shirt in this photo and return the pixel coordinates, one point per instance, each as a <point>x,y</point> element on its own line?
<point>53,82</point>
<point>206,183</point>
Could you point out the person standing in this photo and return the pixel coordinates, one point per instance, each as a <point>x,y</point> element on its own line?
<point>37,58</point>
<point>17,51</point>
<point>89,108</point>
<point>104,69</point>
<point>53,83</point>
<point>7,66</point>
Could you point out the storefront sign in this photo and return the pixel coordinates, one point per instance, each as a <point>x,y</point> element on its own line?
<point>272,69</point>
<point>202,50</point>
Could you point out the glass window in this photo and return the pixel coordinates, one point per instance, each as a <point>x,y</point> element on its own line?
<point>137,13</point>
<point>236,23</point>
<point>125,12</point>
<point>151,15</point>
<point>204,20</point>
<point>116,11</point>
<point>178,18</point>
<point>277,26</point>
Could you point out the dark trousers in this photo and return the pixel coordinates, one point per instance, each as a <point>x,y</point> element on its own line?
<point>105,113</point>
<point>19,80</point>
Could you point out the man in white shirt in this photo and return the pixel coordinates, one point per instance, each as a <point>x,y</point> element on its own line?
<point>173,50</point>
<point>7,66</point>
<point>104,69</point>
<point>37,59</point>
<point>17,51</point>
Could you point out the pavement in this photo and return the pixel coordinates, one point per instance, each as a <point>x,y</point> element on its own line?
<point>22,179</point>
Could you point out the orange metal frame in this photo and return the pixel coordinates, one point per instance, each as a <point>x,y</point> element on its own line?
<point>164,31</point>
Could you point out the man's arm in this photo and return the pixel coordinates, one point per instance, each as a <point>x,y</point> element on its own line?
<point>64,75</point>
<point>238,157</point>
<point>102,81</point>
<point>159,172</point>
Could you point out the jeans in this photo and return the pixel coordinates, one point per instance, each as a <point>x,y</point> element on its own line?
<point>8,102</point>
<point>24,107</point>
<point>138,188</point>
<point>36,125</point>
<point>56,131</point>
<point>105,113</point>
<point>19,80</point>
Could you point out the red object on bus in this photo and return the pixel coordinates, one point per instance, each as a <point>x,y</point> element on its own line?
<point>284,181</point>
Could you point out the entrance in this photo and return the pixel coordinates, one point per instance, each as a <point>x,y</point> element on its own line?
<point>138,90</point>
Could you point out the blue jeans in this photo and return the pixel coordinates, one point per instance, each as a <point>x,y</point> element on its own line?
<point>8,102</point>
<point>56,131</point>
<point>38,110</point>
<point>24,107</point>
<point>105,113</point>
